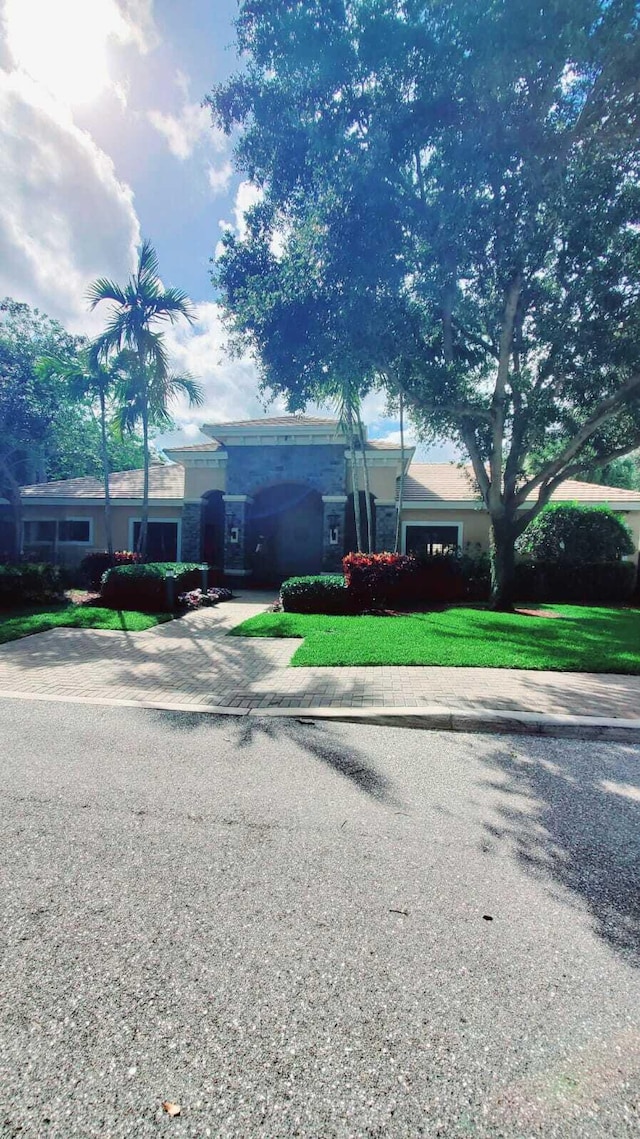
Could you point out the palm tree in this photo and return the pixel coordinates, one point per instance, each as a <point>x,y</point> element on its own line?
<point>348,406</point>
<point>146,400</point>
<point>401,485</point>
<point>138,309</point>
<point>87,376</point>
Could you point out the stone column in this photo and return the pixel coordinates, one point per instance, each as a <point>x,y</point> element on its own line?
<point>236,517</point>
<point>192,532</point>
<point>386,516</point>
<point>333,520</point>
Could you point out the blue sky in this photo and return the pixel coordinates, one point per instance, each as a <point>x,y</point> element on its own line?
<point>103,139</point>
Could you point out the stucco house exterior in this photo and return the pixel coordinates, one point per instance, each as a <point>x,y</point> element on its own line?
<point>272,497</point>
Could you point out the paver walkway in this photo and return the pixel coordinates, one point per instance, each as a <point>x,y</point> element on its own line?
<point>193,662</point>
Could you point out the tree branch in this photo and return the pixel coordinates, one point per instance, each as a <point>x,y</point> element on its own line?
<point>512,298</point>
<point>607,408</point>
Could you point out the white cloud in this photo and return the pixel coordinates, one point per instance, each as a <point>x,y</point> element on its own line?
<point>65,218</point>
<point>185,130</point>
<point>231,385</point>
<point>220,177</point>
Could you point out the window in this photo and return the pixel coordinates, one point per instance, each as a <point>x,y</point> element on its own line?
<point>74,530</point>
<point>432,539</point>
<point>39,531</point>
<point>162,541</point>
<point>42,532</point>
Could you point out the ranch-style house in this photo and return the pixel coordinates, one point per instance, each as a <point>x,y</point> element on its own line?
<point>273,497</point>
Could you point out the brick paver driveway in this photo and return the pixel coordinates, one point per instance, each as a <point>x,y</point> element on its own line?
<point>193,662</point>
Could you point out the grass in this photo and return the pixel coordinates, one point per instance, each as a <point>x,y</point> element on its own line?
<point>38,619</point>
<point>581,639</point>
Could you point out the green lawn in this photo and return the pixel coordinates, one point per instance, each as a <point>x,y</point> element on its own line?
<point>24,622</point>
<point>581,639</point>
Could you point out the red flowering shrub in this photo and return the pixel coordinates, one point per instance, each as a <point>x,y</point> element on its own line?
<point>94,565</point>
<point>375,580</point>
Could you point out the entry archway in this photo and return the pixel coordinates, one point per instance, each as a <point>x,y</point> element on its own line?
<point>285,532</point>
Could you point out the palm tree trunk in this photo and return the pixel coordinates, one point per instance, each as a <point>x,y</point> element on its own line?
<point>144,521</point>
<point>355,488</point>
<point>401,486</point>
<point>108,528</point>
<point>367,491</point>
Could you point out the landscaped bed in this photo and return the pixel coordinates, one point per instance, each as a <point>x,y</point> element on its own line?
<point>18,623</point>
<point>582,639</point>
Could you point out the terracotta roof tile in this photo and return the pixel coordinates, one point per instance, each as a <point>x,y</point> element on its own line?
<point>435,482</point>
<point>165,481</point>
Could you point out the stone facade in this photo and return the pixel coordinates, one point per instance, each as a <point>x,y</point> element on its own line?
<point>334,510</point>
<point>321,467</point>
<point>236,519</point>
<point>192,532</point>
<point>386,521</point>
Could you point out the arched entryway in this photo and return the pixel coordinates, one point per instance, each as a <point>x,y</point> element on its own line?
<point>212,528</point>
<point>350,542</point>
<point>285,532</point>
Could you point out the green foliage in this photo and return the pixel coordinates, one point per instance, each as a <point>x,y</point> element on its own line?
<point>450,209</point>
<point>144,587</point>
<point>29,583</point>
<point>597,583</point>
<point>624,473</point>
<point>17,625</point>
<point>315,594</point>
<point>577,640</point>
<point>577,534</point>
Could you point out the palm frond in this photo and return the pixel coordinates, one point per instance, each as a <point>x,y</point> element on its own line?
<point>148,267</point>
<point>105,290</point>
<point>171,304</point>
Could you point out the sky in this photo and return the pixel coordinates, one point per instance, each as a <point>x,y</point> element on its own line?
<point>104,140</point>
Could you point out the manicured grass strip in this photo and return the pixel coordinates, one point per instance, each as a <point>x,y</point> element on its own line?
<point>581,639</point>
<point>25,623</point>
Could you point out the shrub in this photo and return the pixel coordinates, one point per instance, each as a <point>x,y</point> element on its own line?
<point>144,588</point>
<point>29,583</point>
<point>597,583</point>
<point>93,566</point>
<point>321,594</point>
<point>380,580</point>
<point>576,534</point>
<point>196,599</point>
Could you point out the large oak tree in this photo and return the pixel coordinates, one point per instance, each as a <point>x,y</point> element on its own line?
<point>451,208</point>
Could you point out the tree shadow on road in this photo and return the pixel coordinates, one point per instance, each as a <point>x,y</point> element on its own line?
<point>321,741</point>
<point>579,827</point>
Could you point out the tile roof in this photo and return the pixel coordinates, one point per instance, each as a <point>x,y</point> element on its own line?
<point>214,445</point>
<point>165,481</point>
<point>444,482</point>
<point>276,421</point>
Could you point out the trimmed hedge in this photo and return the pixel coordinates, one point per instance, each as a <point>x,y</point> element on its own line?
<point>574,533</point>
<point>29,583</point>
<point>599,583</point>
<point>381,580</point>
<point>144,588</point>
<point>93,566</point>
<point>320,594</point>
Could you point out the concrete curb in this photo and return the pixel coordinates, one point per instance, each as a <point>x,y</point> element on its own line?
<point>427,718</point>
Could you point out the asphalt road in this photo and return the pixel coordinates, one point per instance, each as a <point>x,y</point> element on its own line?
<point>332,930</point>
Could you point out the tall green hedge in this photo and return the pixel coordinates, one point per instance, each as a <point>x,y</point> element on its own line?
<point>145,588</point>
<point>29,583</point>
<point>572,532</point>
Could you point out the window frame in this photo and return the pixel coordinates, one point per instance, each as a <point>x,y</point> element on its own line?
<point>436,522</point>
<point>173,521</point>
<point>56,540</point>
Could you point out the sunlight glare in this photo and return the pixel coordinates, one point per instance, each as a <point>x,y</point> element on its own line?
<point>62,44</point>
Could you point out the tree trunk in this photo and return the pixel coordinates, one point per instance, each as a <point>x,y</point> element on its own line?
<point>355,489</point>
<point>144,521</point>
<point>401,485</point>
<point>503,557</point>
<point>108,528</point>
<point>367,492</point>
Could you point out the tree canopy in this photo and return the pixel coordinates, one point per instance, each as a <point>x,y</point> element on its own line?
<point>450,208</point>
